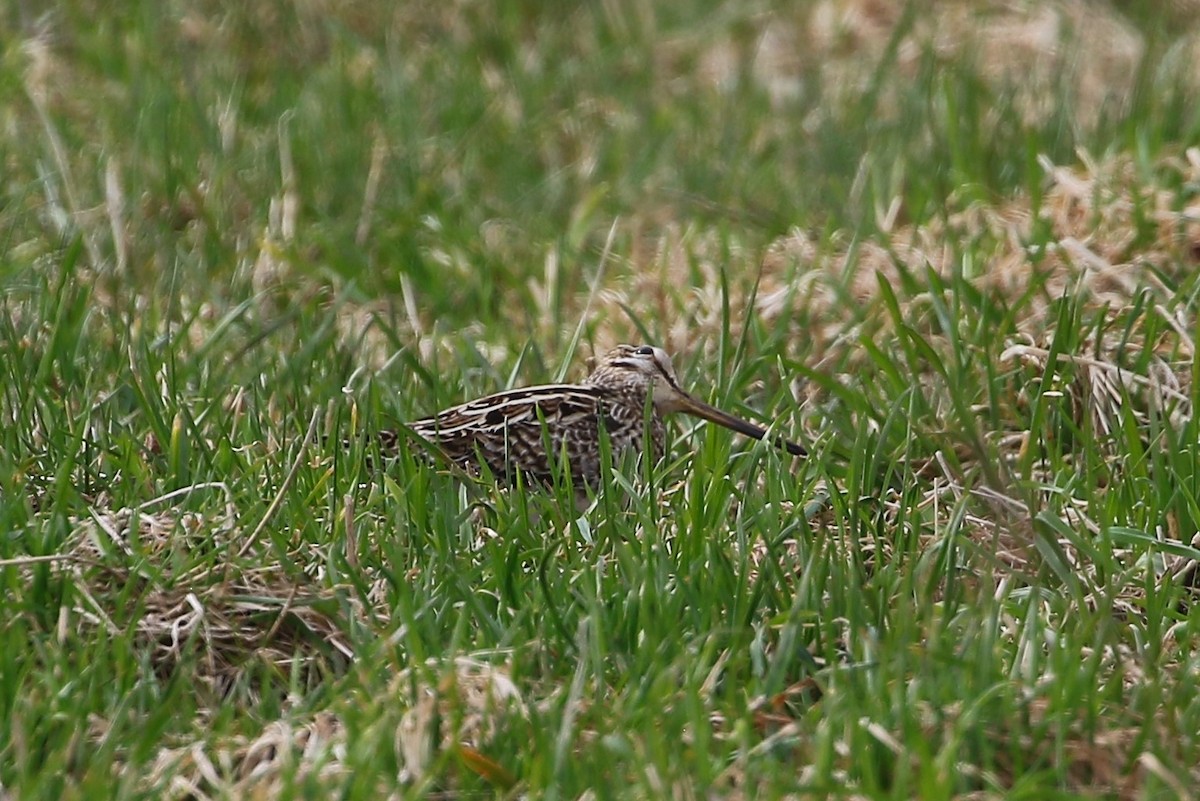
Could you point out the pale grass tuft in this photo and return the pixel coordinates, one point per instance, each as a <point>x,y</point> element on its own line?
<point>1025,47</point>
<point>1101,386</point>
<point>258,768</point>
<point>464,709</point>
<point>462,712</point>
<point>1028,48</point>
<point>1099,252</point>
<point>225,619</point>
<point>1092,211</point>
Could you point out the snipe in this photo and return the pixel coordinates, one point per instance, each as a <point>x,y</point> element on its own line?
<point>525,430</point>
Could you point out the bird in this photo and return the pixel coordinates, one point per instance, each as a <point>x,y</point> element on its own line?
<point>523,432</point>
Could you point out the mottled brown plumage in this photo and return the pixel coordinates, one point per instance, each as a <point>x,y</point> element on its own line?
<point>523,430</point>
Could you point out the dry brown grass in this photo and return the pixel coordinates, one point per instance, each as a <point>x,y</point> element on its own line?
<point>458,714</point>
<point>670,274</point>
<point>228,615</point>
<point>232,616</point>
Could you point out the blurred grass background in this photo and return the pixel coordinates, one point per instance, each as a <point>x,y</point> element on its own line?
<point>950,244</point>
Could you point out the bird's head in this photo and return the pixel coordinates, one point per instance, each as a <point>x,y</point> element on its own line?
<point>648,369</point>
<point>643,368</point>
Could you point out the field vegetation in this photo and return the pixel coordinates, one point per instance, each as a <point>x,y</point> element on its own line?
<point>951,247</point>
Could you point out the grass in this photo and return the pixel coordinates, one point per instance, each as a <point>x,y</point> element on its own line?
<point>952,249</point>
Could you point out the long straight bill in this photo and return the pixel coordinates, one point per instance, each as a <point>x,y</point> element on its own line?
<point>712,414</point>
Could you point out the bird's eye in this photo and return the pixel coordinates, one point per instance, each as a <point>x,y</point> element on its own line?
<point>644,350</point>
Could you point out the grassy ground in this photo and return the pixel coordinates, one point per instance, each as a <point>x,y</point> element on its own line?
<point>950,247</point>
